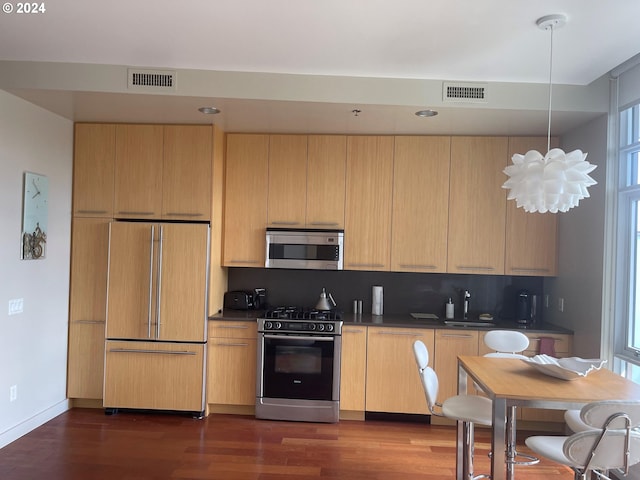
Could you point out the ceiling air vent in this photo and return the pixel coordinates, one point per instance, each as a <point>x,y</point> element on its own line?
<point>151,80</point>
<point>464,92</point>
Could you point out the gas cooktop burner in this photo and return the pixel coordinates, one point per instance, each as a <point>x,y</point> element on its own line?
<point>298,313</point>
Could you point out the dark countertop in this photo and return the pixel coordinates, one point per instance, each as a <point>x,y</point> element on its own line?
<point>403,320</point>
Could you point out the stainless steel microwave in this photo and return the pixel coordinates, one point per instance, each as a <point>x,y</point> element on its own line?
<point>304,248</point>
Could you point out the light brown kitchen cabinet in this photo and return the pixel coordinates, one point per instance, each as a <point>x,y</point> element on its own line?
<point>326,176</point>
<point>231,377</point>
<point>353,368</point>
<point>531,238</point>
<point>369,186</point>
<point>87,307</point>
<point>186,172</point>
<point>287,181</point>
<point>449,344</point>
<point>393,383</point>
<point>138,172</point>
<point>93,169</point>
<point>420,204</point>
<point>477,205</point>
<point>246,193</point>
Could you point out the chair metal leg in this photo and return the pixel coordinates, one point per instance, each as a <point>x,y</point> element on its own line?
<point>467,459</point>
<point>512,453</point>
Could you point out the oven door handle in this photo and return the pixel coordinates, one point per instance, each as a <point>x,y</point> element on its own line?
<point>299,337</point>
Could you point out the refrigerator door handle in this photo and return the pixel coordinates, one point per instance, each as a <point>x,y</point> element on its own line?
<point>150,282</point>
<point>159,283</point>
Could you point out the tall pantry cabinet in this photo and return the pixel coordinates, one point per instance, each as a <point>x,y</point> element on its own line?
<point>138,172</point>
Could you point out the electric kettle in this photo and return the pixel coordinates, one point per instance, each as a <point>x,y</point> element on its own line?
<point>323,301</point>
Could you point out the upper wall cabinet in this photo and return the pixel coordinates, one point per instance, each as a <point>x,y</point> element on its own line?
<point>138,186</point>
<point>186,172</point>
<point>531,238</point>
<point>420,204</point>
<point>326,170</point>
<point>246,191</point>
<point>93,170</point>
<point>477,205</point>
<point>287,180</point>
<point>163,172</point>
<point>369,186</point>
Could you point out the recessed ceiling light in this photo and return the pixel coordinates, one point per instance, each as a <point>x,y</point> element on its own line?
<point>209,110</point>
<point>426,113</point>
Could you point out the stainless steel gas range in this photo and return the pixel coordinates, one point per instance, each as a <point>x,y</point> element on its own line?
<point>298,374</point>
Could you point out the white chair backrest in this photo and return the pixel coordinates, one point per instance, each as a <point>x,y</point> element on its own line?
<point>596,414</point>
<point>428,376</point>
<point>609,454</point>
<point>506,341</point>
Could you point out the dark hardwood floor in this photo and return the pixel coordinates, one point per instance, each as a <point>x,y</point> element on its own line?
<point>86,444</point>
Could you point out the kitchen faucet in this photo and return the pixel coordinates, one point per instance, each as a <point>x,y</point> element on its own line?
<point>466,297</point>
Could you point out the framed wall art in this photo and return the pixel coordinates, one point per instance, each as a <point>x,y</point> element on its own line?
<point>34,216</point>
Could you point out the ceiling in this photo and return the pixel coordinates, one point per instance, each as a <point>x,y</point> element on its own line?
<point>303,65</point>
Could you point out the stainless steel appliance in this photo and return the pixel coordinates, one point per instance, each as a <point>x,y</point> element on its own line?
<point>298,365</point>
<point>524,307</point>
<point>304,248</point>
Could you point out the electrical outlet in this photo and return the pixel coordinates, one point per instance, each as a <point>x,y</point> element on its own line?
<point>13,393</point>
<point>16,306</point>
<point>561,304</point>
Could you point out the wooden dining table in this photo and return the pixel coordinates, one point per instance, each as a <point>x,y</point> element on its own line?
<point>512,382</point>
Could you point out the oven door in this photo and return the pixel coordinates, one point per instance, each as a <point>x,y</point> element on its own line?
<point>299,367</point>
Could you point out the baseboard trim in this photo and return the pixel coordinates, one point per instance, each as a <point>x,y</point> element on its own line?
<point>24,427</point>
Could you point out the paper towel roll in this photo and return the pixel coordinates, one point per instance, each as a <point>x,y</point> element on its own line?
<point>376,302</point>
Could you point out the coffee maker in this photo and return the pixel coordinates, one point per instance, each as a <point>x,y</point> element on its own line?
<point>525,307</point>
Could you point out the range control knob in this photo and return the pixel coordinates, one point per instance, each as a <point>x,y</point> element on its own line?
<point>330,327</point>
<point>278,325</point>
<point>321,327</point>
<point>268,325</point>
<point>311,326</point>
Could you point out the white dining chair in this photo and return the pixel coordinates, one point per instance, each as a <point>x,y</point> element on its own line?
<point>468,409</point>
<point>611,443</point>
<point>510,344</point>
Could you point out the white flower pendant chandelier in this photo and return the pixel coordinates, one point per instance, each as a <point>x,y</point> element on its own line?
<point>557,181</point>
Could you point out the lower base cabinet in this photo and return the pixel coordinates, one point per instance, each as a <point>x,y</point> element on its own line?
<point>154,375</point>
<point>86,359</point>
<point>231,377</point>
<point>393,384</point>
<point>353,368</point>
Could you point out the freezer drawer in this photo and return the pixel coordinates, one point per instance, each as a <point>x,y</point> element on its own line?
<point>154,375</point>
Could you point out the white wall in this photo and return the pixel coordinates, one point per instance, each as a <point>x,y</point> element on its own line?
<point>33,345</point>
<point>581,249</point>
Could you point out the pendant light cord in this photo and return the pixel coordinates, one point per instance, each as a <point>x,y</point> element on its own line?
<point>550,91</point>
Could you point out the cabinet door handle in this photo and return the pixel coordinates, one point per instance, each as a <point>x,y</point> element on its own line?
<point>278,222</point>
<point>325,224</point>
<point>527,269</point>
<point>88,322</point>
<point>404,334</point>
<point>166,352</point>
<point>456,335</point>
<point>352,331</point>
<point>475,267</point>
<point>232,326</point>
<point>92,211</point>
<point>150,303</point>
<point>183,214</point>
<point>404,265</point>
<point>128,212</point>
<point>230,344</point>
